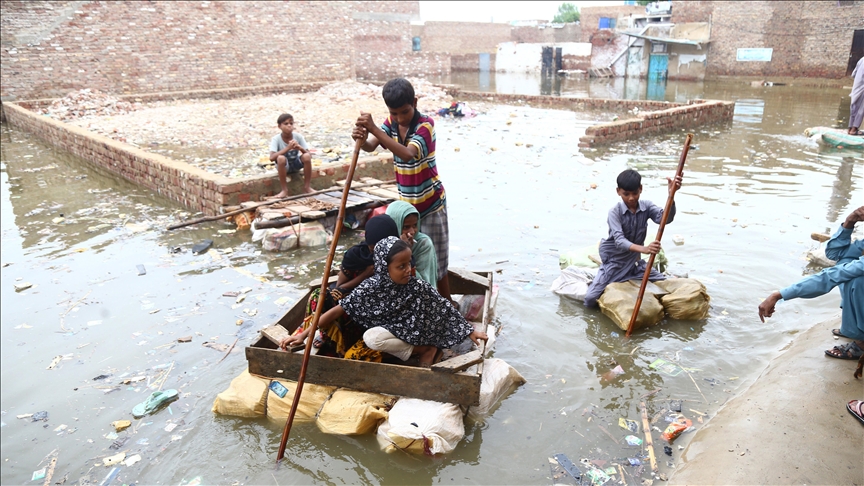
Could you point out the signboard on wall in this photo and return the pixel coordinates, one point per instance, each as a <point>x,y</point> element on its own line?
<point>754,54</point>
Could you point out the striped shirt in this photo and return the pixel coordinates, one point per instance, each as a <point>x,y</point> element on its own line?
<point>417,179</point>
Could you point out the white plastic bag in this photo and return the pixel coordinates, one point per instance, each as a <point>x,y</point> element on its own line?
<point>573,282</point>
<point>499,378</point>
<point>422,426</point>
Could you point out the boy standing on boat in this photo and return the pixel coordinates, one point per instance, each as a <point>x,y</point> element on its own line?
<point>621,252</point>
<point>410,136</point>
<point>291,154</point>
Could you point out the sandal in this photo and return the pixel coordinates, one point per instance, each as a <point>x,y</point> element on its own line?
<point>846,351</point>
<point>153,402</point>
<point>837,333</point>
<point>856,408</point>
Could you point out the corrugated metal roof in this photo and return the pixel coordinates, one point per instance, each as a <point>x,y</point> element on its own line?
<point>670,40</point>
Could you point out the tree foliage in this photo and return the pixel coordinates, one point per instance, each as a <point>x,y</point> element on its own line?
<point>567,12</point>
<point>643,2</point>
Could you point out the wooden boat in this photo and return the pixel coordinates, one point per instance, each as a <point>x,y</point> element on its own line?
<point>835,137</point>
<point>456,380</point>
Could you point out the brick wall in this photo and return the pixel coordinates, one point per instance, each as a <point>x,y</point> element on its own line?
<point>654,116</point>
<point>470,62</point>
<point>195,188</point>
<point>464,37</point>
<point>590,17</point>
<point>142,47</point>
<point>686,11</point>
<point>809,38</point>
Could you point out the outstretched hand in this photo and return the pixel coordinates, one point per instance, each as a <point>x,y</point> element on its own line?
<point>766,308</point>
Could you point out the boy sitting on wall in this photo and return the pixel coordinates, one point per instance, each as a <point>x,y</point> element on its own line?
<point>291,154</point>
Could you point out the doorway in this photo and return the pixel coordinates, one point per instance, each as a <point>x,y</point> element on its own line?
<point>857,51</point>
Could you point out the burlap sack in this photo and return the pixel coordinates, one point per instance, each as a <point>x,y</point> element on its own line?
<point>687,298</point>
<point>619,298</point>
<point>350,412</point>
<point>311,400</point>
<point>246,396</point>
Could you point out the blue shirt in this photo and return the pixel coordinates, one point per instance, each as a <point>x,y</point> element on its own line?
<point>628,228</point>
<point>840,247</point>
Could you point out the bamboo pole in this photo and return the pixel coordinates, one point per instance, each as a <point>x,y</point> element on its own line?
<point>313,326</point>
<point>669,201</point>
<point>649,442</point>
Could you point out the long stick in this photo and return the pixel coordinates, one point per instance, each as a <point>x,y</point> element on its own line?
<point>649,442</point>
<point>668,208</point>
<point>313,326</point>
<point>260,204</point>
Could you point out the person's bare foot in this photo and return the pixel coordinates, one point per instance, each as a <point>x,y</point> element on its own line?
<point>307,190</point>
<point>280,195</point>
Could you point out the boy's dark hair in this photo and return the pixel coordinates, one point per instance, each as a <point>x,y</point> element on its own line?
<point>398,93</point>
<point>629,180</point>
<point>396,249</point>
<point>283,117</point>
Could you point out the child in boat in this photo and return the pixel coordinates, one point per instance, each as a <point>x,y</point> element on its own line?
<point>357,265</point>
<point>291,154</point>
<point>410,136</point>
<point>407,220</point>
<point>628,225</point>
<point>403,315</point>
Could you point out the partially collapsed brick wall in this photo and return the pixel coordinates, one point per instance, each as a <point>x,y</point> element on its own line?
<point>195,188</point>
<point>142,47</point>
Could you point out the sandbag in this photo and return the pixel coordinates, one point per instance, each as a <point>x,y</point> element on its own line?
<point>350,412</point>
<point>302,234</point>
<point>580,257</point>
<point>311,400</point>
<point>619,298</point>
<point>687,298</point>
<point>422,427</point>
<point>279,239</point>
<point>818,258</point>
<point>313,234</point>
<point>573,282</point>
<point>499,379</point>
<point>246,396</point>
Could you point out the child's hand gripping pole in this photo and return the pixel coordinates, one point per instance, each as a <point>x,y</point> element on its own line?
<point>673,188</point>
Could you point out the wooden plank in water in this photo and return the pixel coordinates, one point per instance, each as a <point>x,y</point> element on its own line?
<point>466,283</point>
<point>459,363</point>
<point>459,388</point>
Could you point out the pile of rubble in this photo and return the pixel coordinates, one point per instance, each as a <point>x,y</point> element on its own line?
<point>88,103</point>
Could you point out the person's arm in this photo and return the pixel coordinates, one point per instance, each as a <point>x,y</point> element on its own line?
<point>350,284</point>
<point>840,244</point>
<point>821,283</point>
<point>405,153</point>
<point>324,322</point>
<point>275,152</point>
<point>621,242</point>
<point>302,146</point>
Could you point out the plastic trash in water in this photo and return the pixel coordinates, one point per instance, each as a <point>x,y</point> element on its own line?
<point>278,388</point>
<point>665,367</point>
<point>568,466</point>
<point>37,475</point>
<point>667,450</point>
<point>634,461</point>
<point>628,424</point>
<point>633,440</point>
<point>110,477</point>
<point>597,477</point>
<point>614,334</point>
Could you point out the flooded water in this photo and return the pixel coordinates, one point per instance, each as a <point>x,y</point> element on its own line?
<point>518,194</point>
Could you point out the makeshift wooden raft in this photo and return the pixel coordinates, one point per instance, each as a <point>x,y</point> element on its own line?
<point>366,194</point>
<point>456,380</point>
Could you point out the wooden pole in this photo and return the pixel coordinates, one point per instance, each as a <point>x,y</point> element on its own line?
<point>669,203</point>
<point>313,326</point>
<point>264,203</point>
<point>649,442</point>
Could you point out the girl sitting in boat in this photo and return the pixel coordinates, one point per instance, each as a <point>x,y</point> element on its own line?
<point>403,315</point>
<point>407,220</point>
<point>357,265</point>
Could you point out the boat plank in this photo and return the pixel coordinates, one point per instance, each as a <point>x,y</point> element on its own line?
<point>459,363</point>
<point>465,283</point>
<point>459,388</point>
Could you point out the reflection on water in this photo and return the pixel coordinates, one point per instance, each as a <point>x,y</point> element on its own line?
<point>754,189</point>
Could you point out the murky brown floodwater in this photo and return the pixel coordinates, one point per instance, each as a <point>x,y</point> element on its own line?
<point>754,190</point>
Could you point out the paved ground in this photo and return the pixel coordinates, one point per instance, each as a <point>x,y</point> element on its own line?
<point>790,427</point>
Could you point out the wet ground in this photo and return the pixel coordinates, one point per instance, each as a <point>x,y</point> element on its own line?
<point>753,192</point>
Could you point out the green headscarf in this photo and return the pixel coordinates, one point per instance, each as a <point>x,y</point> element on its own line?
<point>423,250</point>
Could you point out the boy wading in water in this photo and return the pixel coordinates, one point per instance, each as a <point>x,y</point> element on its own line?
<point>621,252</point>
<point>291,154</point>
<point>410,136</point>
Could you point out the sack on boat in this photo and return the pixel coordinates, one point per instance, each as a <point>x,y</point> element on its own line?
<point>350,412</point>
<point>311,399</point>
<point>619,298</point>
<point>499,379</point>
<point>573,282</point>
<point>581,257</point>
<point>471,307</point>
<point>246,396</point>
<point>422,427</point>
<point>687,298</point>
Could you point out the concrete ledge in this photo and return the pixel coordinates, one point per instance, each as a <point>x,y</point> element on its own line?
<point>192,187</point>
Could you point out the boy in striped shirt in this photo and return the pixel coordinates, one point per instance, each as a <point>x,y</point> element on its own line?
<point>410,136</point>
